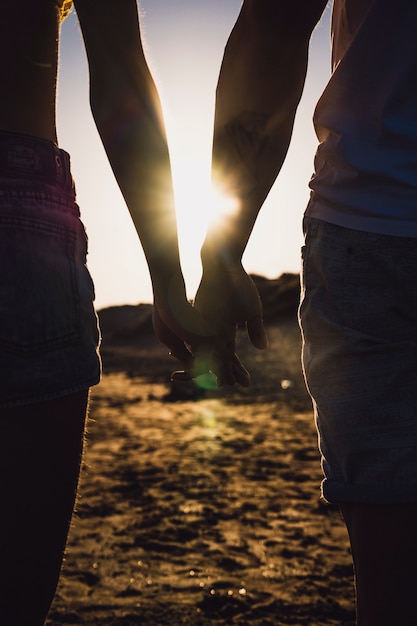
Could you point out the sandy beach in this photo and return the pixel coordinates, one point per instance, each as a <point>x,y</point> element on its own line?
<point>201,507</point>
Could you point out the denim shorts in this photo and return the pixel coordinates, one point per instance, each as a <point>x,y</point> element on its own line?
<point>49,335</point>
<point>358,316</point>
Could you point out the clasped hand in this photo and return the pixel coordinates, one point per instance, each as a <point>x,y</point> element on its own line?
<point>203,337</point>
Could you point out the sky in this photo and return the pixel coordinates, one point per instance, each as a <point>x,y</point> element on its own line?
<point>184,42</point>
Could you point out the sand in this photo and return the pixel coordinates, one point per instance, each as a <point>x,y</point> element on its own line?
<point>203,507</point>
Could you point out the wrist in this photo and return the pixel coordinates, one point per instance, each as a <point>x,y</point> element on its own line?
<point>168,284</point>
<point>219,256</point>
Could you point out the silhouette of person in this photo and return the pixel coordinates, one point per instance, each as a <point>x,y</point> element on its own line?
<point>49,337</point>
<point>358,309</point>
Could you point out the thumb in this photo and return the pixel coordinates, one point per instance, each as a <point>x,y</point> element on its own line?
<point>257,333</point>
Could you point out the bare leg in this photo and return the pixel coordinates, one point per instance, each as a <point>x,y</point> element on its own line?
<point>384,548</point>
<point>40,458</point>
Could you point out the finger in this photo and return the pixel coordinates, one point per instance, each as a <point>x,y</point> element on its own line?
<point>240,373</point>
<point>181,376</point>
<point>227,372</point>
<point>177,347</point>
<point>226,367</point>
<point>215,359</point>
<point>231,371</point>
<point>224,373</point>
<point>257,333</point>
<point>203,361</point>
<point>182,354</point>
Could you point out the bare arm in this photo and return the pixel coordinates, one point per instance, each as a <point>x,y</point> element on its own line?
<point>127,112</point>
<point>259,88</point>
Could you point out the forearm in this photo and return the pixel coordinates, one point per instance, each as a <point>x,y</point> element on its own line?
<point>127,111</point>
<point>138,154</point>
<point>259,88</point>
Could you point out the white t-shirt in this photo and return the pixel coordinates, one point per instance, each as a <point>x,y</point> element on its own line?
<point>366,120</point>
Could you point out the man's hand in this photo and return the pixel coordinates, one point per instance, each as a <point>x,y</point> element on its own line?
<point>226,297</point>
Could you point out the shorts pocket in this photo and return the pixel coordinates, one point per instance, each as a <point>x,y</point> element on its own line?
<point>39,303</point>
<point>380,297</point>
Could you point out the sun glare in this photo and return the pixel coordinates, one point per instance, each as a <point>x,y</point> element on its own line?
<point>222,206</point>
<point>198,205</point>
<point>191,191</point>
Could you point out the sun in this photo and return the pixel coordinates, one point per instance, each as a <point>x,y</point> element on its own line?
<point>222,205</point>
<point>198,206</point>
